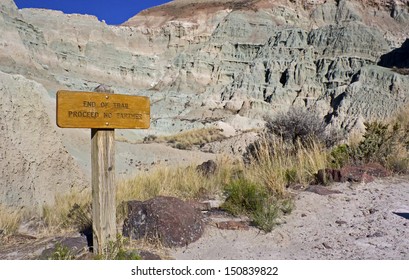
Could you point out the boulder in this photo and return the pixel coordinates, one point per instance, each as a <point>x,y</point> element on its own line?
<point>207,168</point>
<point>169,219</point>
<point>364,173</point>
<point>75,247</point>
<point>328,175</point>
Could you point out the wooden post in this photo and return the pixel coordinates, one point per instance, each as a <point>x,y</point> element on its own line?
<point>102,113</point>
<point>103,188</point>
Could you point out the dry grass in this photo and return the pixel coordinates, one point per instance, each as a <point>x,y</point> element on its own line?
<point>277,164</point>
<point>188,139</point>
<point>10,220</point>
<point>56,216</point>
<point>402,116</point>
<point>182,182</point>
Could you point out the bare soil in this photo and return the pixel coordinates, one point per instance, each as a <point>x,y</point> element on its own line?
<point>364,221</point>
<point>361,221</point>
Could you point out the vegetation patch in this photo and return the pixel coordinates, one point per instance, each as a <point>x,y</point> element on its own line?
<point>298,125</point>
<point>62,252</point>
<point>256,201</point>
<point>384,143</point>
<point>59,216</point>
<point>186,140</point>
<point>118,250</point>
<point>10,220</point>
<point>277,164</point>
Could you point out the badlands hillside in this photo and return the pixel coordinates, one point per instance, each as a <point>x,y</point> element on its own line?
<point>203,63</point>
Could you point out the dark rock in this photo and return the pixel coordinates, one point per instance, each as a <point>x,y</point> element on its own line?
<point>328,175</point>
<point>340,222</point>
<point>326,245</point>
<point>364,173</point>
<point>372,211</point>
<point>376,234</point>
<point>146,255</point>
<point>169,219</point>
<point>207,168</point>
<point>76,246</point>
<point>321,190</point>
<point>200,205</point>
<point>233,225</point>
<point>104,88</point>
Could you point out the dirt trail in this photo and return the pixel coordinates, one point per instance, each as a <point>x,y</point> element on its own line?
<point>358,223</point>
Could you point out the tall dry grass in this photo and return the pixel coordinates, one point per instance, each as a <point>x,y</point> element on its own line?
<point>10,220</point>
<point>277,163</point>
<point>188,139</point>
<point>178,181</point>
<point>56,216</point>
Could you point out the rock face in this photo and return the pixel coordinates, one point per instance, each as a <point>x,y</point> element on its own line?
<point>203,62</point>
<point>172,221</point>
<point>33,161</point>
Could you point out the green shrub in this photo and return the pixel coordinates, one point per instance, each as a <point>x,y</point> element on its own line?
<point>339,156</point>
<point>291,175</point>
<point>255,201</point>
<point>244,197</point>
<point>116,250</point>
<point>387,144</point>
<point>61,253</point>
<point>381,143</point>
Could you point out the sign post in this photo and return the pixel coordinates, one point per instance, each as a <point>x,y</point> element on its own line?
<point>102,112</point>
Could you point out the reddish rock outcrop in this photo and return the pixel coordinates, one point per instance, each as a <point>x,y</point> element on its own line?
<point>363,173</point>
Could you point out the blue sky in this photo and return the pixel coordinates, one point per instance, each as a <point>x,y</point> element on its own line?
<point>112,11</point>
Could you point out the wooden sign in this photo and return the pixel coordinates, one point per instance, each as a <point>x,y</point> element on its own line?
<point>77,109</point>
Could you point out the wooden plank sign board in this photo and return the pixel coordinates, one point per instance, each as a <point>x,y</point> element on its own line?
<point>78,109</point>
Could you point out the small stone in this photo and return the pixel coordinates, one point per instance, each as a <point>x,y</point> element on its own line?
<point>146,255</point>
<point>326,245</point>
<point>207,168</point>
<point>372,210</point>
<point>233,225</point>
<point>340,222</point>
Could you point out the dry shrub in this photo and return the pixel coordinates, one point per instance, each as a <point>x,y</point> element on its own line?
<point>298,125</point>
